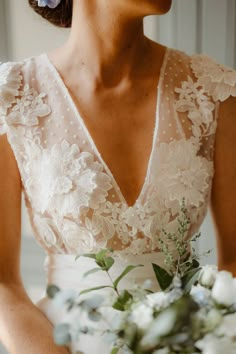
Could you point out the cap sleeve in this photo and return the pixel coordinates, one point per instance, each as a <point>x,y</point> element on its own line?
<point>10,83</point>
<point>217,80</point>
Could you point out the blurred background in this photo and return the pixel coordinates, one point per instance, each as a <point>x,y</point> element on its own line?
<point>194,26</point>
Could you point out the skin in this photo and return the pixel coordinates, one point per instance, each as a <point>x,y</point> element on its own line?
<point>114,82</point>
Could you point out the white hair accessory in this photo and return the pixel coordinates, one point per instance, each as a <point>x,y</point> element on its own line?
<point>50,3</point>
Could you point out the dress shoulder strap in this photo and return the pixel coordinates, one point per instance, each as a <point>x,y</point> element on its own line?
<point>217,80</point>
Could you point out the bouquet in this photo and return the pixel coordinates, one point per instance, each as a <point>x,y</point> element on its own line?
<point>194,312</point>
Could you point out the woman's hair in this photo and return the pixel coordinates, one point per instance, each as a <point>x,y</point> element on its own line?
<point>61,16</point>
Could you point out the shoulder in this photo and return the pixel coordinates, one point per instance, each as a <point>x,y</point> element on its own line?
<point>20,97</point>
<point>218,80</point>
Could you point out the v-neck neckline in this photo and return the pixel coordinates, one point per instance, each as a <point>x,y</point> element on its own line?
<point>91,140</point>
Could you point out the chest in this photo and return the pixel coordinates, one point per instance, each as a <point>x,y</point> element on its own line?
<point>122,129</point>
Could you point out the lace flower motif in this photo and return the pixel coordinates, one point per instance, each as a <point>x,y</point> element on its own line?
<point>10,82</point>
<point>192,99</point>
<point>28,107</point>
<point>78,239</point>
<point>218,81</point>
<point>64,180</point>
<point>181,173</point>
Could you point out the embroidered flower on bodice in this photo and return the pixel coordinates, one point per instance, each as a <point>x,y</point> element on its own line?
<point>28,104</point>
<point>65,181</point>
<point>193,99</point>
<point>180,172</point>
<point>218,80</point>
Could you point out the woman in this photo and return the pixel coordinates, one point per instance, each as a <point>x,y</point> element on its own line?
<point>105,136</point>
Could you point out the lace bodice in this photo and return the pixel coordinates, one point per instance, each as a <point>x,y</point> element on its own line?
<point>73,200</point>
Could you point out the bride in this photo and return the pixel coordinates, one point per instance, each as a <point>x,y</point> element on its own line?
<point>104,136</point>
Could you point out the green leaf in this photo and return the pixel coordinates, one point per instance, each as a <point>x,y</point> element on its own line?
<point>114,351</point>
<point>163,277</point>
<point>190,278</point>
<point>126,271</point>
<point>52,290</point>
<point>109,261</point>
<point>91,271</point>
<point>61,334</point>
<point>122,301</point>
<point>96,288</point>
<point>101,254</point>
<point>89,255</point>
<point>195,264</point>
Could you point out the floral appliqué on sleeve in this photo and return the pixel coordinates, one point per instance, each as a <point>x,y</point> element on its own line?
<point>26,104</point>
<point>218,80</point>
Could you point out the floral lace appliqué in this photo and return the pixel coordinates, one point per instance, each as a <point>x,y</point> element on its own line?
<point>218,80</point>
<point>10,82</point>
<point>181,172</point>
<point>199,108</point>
<point>27,104</point>
<point>65,181</point>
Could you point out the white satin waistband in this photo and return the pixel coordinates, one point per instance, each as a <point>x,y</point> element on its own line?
<point>66,272</point>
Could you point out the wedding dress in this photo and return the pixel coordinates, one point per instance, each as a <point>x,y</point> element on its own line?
<point>74,202</point>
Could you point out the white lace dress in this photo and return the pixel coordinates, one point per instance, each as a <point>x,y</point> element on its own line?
<point>74,202</point>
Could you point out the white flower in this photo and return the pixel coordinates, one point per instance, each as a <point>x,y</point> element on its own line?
<point>185,173</point>
<point>218,80</point>
<point>65,180</point>
<point>142,316</point>
<point>207,275</point>
<point>224,289</point>
<point>228,326</point>
<point>211,344</point>
<point>160,327</point>
<point>212,319</point>
<point>61,298</point>
<point>200,294</point>
<point>158,300</point>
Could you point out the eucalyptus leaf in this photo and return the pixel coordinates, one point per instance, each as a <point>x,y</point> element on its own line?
<point>126,271</point>
<point>114,351</point>
<point>91,271</point>
<point>190,278</point>
<point>163,277</point>
<point>89,255</point>
<point>101,254</point>
<point>195,263</point>
<point>61,334</point>
<point>96,288</point>
<point>122,301</point>
<point>109,261</point>
<point>52,290</point>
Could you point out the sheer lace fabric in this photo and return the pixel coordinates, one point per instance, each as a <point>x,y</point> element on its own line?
<point>73,200</point>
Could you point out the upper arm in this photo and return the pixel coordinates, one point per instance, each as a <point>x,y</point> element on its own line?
<point>10,214</point>
<point>223,197</point>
